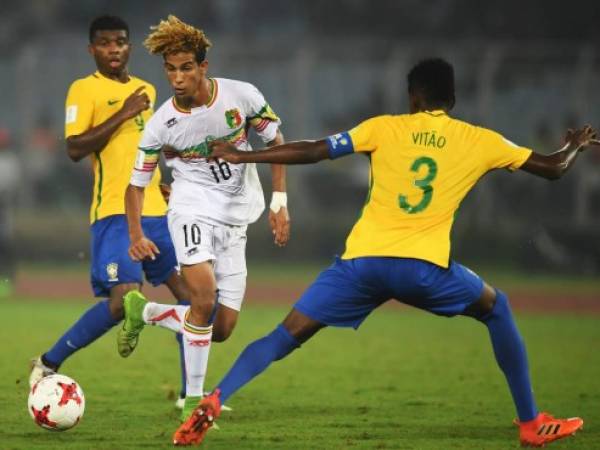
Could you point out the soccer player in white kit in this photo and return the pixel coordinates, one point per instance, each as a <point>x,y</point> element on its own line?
<point>211,203</point>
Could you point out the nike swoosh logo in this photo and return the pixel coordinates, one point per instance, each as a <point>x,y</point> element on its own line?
<point>113,102</point>
<point>70,344</point>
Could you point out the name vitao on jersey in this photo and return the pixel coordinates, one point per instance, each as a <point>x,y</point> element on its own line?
<point>217,191</point>
<point>422,167</point>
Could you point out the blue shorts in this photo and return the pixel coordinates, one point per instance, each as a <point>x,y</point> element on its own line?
<point>344,294</point>
<point>111,264</point>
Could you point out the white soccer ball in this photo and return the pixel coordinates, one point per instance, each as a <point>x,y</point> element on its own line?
<point>56,403</point>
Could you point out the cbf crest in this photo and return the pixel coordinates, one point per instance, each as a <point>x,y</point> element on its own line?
<point>112,271</point>
<point>233,118</point>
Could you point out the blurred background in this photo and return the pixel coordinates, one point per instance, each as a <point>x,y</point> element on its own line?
<point>529,70</point>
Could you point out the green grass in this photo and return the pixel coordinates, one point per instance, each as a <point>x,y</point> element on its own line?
<point>405,380</point>
<point>304,273</point>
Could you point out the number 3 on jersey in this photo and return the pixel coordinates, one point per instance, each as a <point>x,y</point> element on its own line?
<point>424,184</point>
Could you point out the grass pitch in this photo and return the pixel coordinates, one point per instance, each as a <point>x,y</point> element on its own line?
<point>404,380</point>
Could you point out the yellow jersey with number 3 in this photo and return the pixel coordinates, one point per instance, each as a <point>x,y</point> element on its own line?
<point>90,102</point>
<point>422,166</point>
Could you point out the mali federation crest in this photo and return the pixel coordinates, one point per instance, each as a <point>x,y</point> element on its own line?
<point>233,118</point>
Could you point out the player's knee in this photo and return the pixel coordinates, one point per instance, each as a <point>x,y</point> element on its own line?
<point>484,306</point>
<point>202,295</point>
<point>201,309</point>
<point>221,334</point>
<point>115,303</point>
<point>116,309</point>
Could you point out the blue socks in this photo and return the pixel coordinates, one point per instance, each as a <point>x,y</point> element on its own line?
<point>511,356</point>
<point>179,338</point>
<point>91,325</point>
<point>256,358</point>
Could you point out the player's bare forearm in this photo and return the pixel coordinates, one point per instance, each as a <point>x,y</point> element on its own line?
<point>140,247</point>
<point>552,166</point>
<point>555,165</point>
<point>134,203</point>
<point>278,173</point>
<point>279,218</point>
<point>300,152</point>
<point>93,140</point>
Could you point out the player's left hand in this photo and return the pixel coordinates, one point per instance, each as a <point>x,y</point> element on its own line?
<point>280,225</point>
<point>581,137</point>
<point>225,151</point>
<point>165,190</point>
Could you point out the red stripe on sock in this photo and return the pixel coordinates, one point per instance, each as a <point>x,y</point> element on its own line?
<point>170,313</point>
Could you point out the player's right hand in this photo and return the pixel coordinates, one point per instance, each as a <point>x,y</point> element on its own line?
<point>225,151</point>
<point>135,103</point>
<point>143,248</point>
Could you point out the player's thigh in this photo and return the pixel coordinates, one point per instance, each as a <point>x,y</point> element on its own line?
<point>343,295</point>
<point>201,282</point>
<point>230,266</point>
<point>111,264</point>
<point>443,291</point>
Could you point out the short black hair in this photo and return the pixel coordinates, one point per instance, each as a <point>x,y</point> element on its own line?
<point>433,80</point>
<point>107,22</point>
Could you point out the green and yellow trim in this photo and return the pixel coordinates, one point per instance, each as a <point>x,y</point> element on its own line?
<point>202,331</point>
<point>214,89</point>
<point>179,108</point>
<point>99,189</point>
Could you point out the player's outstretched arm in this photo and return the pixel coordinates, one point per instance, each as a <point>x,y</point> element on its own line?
<point>300,152</point>
<point>555,165</point>
<point>140,247</point>
<point>95,139</point>
<point>279,218</point>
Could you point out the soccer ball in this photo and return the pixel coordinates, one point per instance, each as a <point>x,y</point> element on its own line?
<point>56,403</point>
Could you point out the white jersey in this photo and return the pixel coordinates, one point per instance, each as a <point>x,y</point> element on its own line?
<point>217,192</point>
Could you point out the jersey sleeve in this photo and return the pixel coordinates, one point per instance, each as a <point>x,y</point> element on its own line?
<point>147,158</point>
<point>500,153</point>
<point>361,138</point>
<point>260,116</point>
<point>79,110</point>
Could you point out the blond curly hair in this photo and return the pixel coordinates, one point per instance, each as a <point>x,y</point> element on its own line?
<point>174,36</point>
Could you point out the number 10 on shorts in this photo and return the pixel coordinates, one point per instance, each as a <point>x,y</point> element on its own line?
<point>191,234</point>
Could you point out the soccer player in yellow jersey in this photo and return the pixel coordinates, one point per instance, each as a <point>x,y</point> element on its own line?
<point>106,113</point>
<point>422,165</point>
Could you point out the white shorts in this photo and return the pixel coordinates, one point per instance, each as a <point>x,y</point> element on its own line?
<point>196,242</point>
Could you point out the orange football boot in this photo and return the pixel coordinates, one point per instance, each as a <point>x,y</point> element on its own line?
<point>545,428</point>
<point>193,430</point>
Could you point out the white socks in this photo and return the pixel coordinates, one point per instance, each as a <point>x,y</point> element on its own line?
<point>166,316</point>
<point>196,344</point>
<point>196,341</point>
